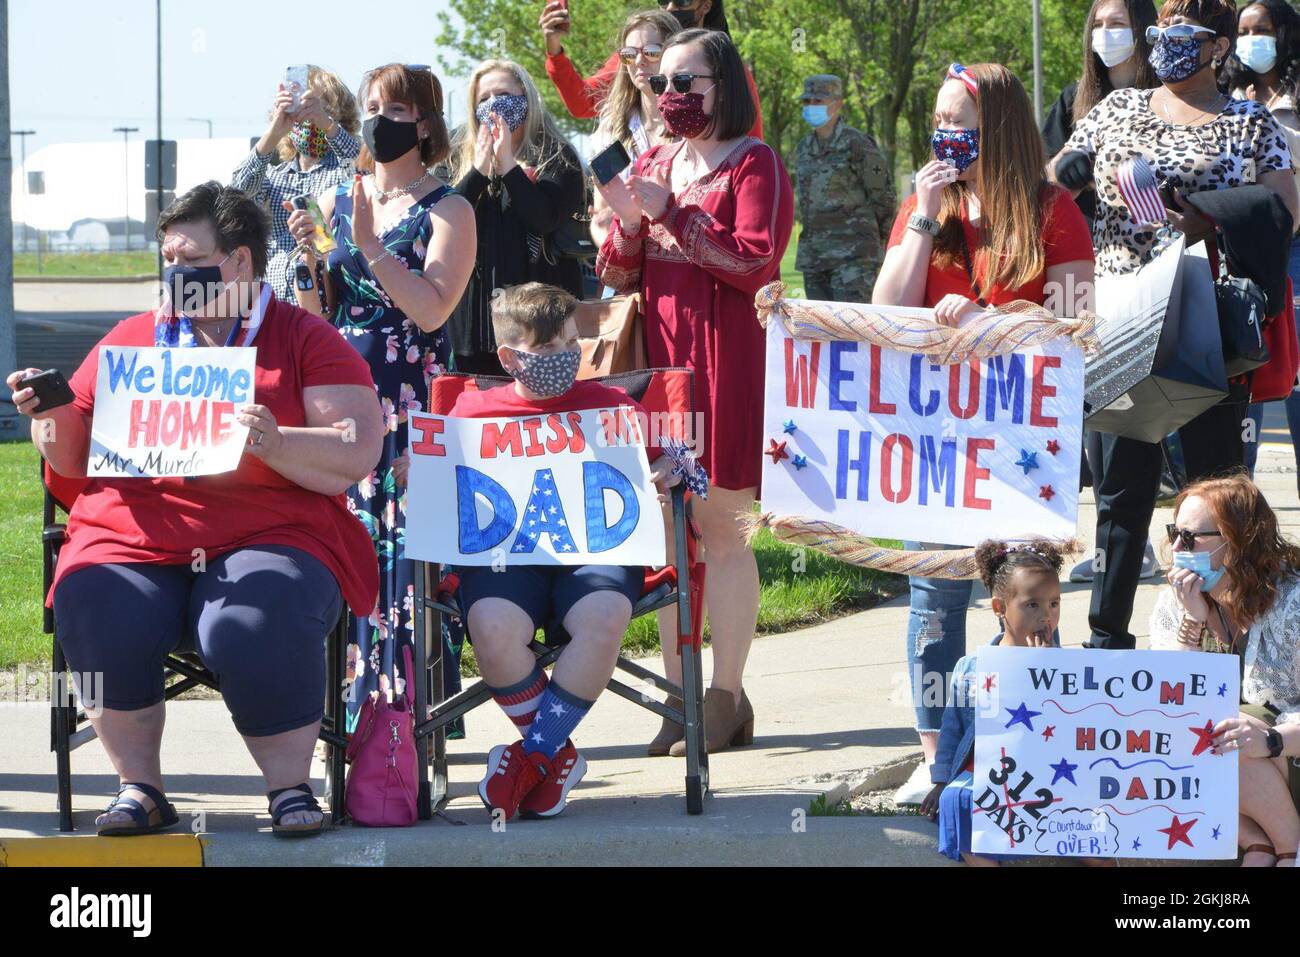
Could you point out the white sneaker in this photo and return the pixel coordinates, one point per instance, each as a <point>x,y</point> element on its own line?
<point>1150,567</point>
<point>1082,572</point>
<point>916,787</point>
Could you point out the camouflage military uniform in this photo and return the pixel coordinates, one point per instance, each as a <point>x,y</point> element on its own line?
<point>847,205</point>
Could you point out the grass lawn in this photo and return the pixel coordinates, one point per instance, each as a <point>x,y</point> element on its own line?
<point>792,278</point>
<point>21,638</point>
<point>137,263</point>
<point>797,590</point>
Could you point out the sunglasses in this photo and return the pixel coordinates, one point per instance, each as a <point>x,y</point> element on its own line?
<point>1186,538</point>
<point>681,81</point>
<point>651,51</point>
<point>1179,31</point>
<point>679,4</point>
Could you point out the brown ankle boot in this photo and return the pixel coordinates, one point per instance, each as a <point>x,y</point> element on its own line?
<point>670,732</point>
<point>725,724</point>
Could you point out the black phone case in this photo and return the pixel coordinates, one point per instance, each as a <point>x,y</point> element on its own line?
<point>613,159</point>
<point>51,389</point>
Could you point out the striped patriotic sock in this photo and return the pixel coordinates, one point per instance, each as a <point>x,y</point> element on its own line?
<point>558,713</point>
<point>520,701</point>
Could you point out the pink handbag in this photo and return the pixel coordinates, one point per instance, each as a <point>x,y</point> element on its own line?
<point>383,782</point>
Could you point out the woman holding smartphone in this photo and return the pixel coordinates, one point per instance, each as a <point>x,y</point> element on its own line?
<point>389,288</point>
<point>699,228</point>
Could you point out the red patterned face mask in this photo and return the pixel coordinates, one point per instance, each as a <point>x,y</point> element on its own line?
<point>684,114</point>
<point>309,139</point>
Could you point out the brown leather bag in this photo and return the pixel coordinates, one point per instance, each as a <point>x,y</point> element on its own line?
<point>611,335</point>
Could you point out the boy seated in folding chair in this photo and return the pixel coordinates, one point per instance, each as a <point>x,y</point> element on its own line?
<point>537,340</point>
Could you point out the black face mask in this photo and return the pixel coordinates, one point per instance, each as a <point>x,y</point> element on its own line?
<point>685,17</point>
<point>388,139</point>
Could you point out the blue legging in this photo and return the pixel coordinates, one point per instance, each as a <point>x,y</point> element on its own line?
<point>257,617</point>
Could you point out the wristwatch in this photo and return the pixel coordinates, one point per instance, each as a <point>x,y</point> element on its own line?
<point>923,224</point>
<point>1275,743</point>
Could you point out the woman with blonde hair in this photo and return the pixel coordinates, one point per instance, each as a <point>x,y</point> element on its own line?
<point>983,229</point>
<point>316,145</point>
<point>1235,587</point>
<point>629,113</point>
<point>514,166</point>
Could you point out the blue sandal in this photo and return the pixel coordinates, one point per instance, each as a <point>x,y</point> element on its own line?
<point>305,801</point>
<point>162,816</point>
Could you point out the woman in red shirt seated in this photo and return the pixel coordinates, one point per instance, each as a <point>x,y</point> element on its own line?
<point>254,564</point>
<point>983,229</point>
<point>582,97</point>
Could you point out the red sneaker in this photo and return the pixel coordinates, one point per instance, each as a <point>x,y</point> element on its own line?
<point>511,774</point>
<point>548,798</point>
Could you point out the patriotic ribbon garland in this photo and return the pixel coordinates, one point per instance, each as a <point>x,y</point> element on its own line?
<point>1010,328</point>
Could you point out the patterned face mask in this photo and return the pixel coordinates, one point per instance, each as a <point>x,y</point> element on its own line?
<point>547,375</point>
<point>961,148</point>
<point>684,114</point>
<point>1176,60</point>
<point>511,108</point>
<point>309,139</point>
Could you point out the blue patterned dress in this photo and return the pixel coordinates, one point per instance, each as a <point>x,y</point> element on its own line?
<point>403,359</point>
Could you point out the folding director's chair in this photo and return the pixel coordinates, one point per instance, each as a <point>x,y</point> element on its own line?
<point>659,391</point>
<point>69,727</point>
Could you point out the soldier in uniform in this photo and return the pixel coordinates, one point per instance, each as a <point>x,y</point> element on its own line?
<point>847,201</point>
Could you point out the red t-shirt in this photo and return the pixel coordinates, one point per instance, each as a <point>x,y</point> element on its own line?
<point>504,402</point>
<point>161,521</point>
<point>1066,238</point>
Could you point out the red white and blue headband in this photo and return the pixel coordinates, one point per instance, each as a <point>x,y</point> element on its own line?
<point>965,77</point>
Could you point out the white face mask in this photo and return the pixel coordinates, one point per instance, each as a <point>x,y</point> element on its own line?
<point>1257,53</point>
<point>1113,46</point>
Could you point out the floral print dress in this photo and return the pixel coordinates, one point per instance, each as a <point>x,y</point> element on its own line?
<point>403,359</point>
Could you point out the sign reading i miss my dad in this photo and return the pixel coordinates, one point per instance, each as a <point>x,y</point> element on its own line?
<point>1084,753</point>
<point>888,443</point>
<point>568,488</point>
<point>169,412</point>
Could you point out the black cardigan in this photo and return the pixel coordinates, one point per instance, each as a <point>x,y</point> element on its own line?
<point>509,210</point>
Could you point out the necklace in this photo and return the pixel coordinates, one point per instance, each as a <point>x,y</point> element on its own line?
<point>384,195</point>
<point>1168,116</point>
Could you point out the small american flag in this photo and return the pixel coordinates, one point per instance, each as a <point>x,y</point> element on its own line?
<point>1140,191</point>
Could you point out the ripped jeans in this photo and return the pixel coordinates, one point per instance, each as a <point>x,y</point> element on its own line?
<point>936,640</point>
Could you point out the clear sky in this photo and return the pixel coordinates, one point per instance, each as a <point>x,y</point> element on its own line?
<point>221,61</point>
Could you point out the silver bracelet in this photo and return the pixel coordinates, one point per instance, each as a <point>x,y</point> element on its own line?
<point>378,259</point>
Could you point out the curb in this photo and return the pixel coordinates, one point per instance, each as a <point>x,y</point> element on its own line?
<point>150,850</point>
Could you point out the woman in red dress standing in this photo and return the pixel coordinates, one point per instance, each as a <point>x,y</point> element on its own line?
<point>699,228</point>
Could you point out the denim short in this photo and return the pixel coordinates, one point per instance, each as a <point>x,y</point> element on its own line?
<point>546,593</point>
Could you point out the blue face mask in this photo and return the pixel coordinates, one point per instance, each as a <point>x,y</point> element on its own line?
<point>816,115</point>
<point>1176,60</point>
<point>961,148</point>
<point>1199,562</point>
<point>1258,54</point>
<point>509,106</point>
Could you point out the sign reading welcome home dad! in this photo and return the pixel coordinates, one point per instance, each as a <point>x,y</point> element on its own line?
<point>571,488</point>
<point>169,412</point>
<point>1084,753</point>
<point>887,443</point>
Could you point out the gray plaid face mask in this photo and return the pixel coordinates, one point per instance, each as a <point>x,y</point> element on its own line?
<point>548,375</point>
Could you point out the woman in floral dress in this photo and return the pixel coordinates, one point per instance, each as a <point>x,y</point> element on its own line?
<point>389,288</point>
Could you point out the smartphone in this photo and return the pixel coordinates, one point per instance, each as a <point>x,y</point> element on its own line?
<point>1169,196</point>
<point>51,389</point>
<point>322,240</point>
<point>609,162</point>
<point>295,81</point>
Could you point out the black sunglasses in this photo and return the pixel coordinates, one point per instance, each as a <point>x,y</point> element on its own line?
<point>681,81</point>
<point>679,4</point>
<point>1187,539</point>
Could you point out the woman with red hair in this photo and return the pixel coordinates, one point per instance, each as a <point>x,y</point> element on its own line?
<point>1235,587</point>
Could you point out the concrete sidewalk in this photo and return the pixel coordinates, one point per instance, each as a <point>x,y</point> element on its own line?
<point>832,716</point>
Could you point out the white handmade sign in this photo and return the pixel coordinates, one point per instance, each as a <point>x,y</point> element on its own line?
<point>1089,753</point>
<point>889,444</point>
<point>168,412</point>
<point>562,489</point>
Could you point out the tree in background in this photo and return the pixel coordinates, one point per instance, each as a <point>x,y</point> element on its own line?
<point>891,54</point>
